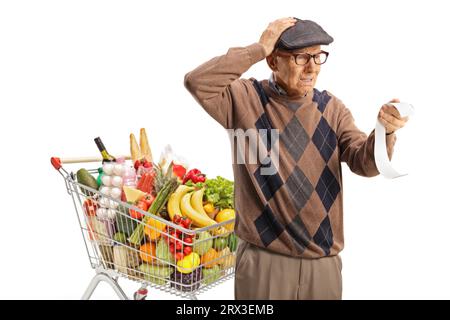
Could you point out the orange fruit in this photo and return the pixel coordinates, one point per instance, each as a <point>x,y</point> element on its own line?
<point>147,251</point>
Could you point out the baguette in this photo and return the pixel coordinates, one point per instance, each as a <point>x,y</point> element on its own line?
<point>145,147</point>
<point>134,149</point>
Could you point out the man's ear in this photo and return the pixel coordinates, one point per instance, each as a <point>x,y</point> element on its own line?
<point>271,60</point>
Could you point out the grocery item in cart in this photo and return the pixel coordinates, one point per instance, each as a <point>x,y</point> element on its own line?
<point>186,282</point>
<point>107,254</point>
<point>112,183</point>
<point>211,275</point>
<point>86,179</point>
<point>125,224</point>
<point>141,154</point>
<point>147,229</point>
<point>169,186</point>
<point>227,259</point>
<point>129,177</point>
<point>155,274</point>
<point>105,155</point>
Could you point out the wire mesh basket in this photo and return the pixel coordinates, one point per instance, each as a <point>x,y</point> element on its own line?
<point>121,245</point>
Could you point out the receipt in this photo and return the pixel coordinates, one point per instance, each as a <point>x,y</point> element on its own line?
<point>384,166</point>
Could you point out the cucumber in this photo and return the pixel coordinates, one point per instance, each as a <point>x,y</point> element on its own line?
<point>158,271</point>
<point>86,179</point>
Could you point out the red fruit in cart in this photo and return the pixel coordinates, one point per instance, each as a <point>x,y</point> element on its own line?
<point>179,256</point>
<point>187,250</point>
<point>188,239</point>
<point>90,207</point>
<point>136,214</point>
<point>148,199</point>
<point>178,245</point>
<point>147,165</point>
<point>172,248</point>
<point>187,223</point>
<point>177,219</point>
<point>137,163</point>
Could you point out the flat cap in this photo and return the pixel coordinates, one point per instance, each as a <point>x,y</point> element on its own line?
<point>305,33</point>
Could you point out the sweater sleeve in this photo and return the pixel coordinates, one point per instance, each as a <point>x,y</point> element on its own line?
<point>213,82</point>
<point>356,149</point>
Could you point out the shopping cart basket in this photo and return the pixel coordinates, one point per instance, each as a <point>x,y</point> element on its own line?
<point>150,262</point>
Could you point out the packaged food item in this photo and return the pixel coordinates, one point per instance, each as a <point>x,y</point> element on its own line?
<point>107,255</point>
<point>129,177</point>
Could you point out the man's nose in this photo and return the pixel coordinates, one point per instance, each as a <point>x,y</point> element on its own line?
<point>311,65</point>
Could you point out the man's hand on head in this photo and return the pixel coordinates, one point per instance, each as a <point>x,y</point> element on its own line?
<point>390,117</point>
<point>273,32</point>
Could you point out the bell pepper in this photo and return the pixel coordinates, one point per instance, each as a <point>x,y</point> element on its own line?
<point>179,170</point>
<point>194,175</point>
<point>189,263</point>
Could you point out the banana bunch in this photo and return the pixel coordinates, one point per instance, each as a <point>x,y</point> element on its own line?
<point>188,202</point>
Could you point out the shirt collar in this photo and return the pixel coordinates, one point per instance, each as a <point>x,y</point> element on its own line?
<point>275,87</point>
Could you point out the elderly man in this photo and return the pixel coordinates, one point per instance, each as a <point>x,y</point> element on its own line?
<point>290,223</point>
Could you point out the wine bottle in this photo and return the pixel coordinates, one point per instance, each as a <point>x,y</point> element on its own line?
<point>101,147</point>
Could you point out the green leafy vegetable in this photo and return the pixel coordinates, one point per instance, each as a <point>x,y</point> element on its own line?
<point>220,192</point>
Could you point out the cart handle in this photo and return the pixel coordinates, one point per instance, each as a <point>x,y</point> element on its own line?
<point>58,162</point>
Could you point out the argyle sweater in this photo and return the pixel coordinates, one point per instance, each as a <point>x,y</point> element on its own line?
<point>297,210</point>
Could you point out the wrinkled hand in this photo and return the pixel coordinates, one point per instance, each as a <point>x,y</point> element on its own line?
<point>270,36</point>
<point>390,117</point>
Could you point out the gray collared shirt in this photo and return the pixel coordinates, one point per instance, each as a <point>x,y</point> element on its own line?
<point>274,86</point>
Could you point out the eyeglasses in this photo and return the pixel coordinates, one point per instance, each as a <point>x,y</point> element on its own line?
<point>303,58</point>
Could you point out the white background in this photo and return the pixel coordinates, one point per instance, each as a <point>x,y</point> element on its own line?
<point>74,70</point>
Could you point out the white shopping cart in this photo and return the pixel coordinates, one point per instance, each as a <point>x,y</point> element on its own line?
<point>151,263</point>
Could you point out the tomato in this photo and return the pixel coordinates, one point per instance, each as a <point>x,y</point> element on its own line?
<point>187,250</point>
<point>136,214</point>
<point>177,219</point>
<point>179,256</point>
<point>148,199</point>
<point>186,222</point>
<point>90,207</point>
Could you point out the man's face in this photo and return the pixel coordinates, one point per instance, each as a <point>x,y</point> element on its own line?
<point>296,80</point>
